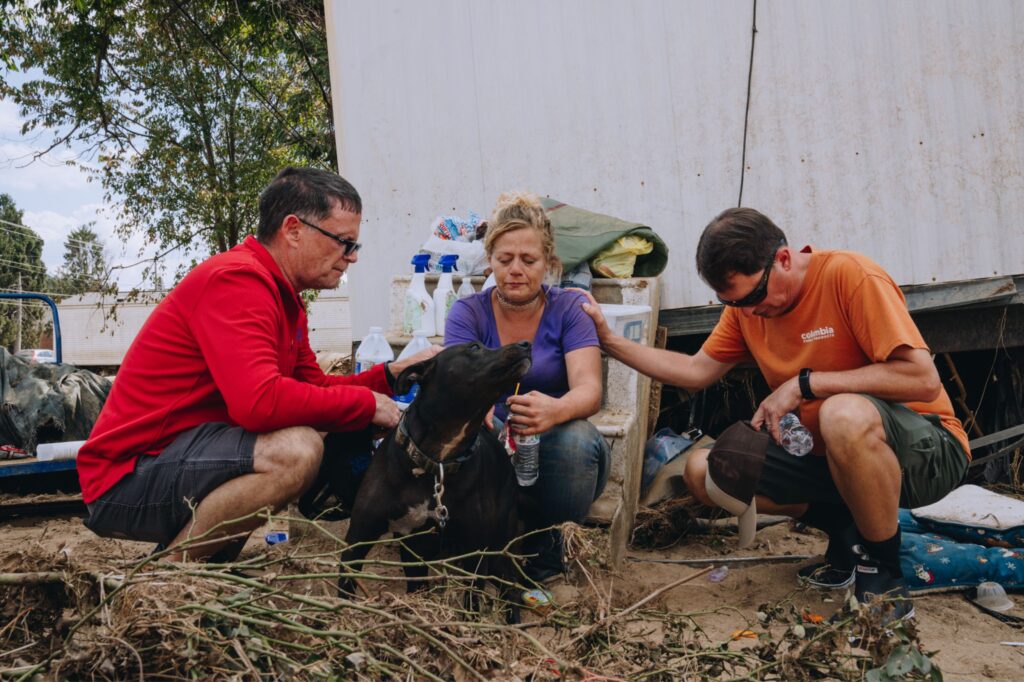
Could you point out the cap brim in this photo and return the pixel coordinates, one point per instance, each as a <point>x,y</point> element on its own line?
<point>746,514</point>
<point>748,525</point>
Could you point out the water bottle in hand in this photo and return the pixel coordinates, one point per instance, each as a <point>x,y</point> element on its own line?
<point>527,458</point>
<point>794,436</point>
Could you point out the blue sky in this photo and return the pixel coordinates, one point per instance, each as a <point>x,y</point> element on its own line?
<point>58,198</point>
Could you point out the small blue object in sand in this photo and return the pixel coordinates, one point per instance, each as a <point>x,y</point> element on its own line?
<point>275,538</point>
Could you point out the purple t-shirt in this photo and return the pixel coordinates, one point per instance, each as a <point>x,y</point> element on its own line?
<point>564,327</point>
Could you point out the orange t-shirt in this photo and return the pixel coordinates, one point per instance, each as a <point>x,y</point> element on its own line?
<point>849,314</point>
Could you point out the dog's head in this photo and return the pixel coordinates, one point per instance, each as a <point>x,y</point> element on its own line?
<point>461,383</point>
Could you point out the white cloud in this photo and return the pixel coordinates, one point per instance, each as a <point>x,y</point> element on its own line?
<point>20,173</point>
<point>55,226</point>
<point>10,121</point>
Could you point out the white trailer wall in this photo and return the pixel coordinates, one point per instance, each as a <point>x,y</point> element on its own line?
<point>894,128</point>
<point>92,336</point>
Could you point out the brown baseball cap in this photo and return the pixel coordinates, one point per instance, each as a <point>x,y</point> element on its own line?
<point>735,464</point>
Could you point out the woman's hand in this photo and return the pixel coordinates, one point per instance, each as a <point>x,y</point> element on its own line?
<point>533,412</point>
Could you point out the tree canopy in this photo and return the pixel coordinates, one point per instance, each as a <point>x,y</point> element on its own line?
<point>85,263</point>
<point>185,109</point>
<point>21,269</point>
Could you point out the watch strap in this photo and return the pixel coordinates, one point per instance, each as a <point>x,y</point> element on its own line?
<point>805,384</point>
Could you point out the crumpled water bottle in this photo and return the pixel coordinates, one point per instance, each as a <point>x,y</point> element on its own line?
<point>794,436</point>
<point>527,458</point>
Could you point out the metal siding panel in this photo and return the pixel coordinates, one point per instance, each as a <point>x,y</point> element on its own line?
<point>865,131</point>
<point>607,105</point>
<point>330,326</point>
<point>894,129</point>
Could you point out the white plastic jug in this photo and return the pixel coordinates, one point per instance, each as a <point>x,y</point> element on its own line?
<point>419,342</point>
<point>373,350</point>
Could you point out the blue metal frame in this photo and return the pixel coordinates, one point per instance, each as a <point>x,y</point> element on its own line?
<point>53,308</point>
<point>34,466</point>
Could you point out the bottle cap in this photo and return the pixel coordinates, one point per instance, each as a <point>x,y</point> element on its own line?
<point>448,261</point>
<point>275,538</point>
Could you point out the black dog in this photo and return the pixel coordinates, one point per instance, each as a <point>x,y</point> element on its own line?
<point>440,442</point>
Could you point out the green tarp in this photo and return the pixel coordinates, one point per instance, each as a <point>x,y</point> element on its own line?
<point>580,235</point>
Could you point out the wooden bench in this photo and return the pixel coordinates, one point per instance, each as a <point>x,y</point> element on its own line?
<point>622,419</point>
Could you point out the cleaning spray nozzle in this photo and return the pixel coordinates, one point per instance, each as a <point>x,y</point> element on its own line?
<point>420,260</point>
<point>447,261</point>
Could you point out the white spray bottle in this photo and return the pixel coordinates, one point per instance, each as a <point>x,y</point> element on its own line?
<point>418,311</point>
<point>444,294</point>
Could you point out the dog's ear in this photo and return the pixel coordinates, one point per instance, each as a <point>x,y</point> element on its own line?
<point>413,374</point>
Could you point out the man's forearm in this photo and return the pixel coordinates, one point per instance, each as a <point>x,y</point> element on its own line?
<point>895,380</point>
<point>668,367</point>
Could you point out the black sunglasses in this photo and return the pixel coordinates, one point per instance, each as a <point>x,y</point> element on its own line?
<point>760,291</point>
<point>351,246</point>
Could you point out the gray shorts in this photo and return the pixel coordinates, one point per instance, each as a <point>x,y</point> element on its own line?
<point>932,463</point>
<point>155,501</point>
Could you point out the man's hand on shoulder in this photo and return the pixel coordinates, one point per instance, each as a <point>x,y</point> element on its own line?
<point>398,366</point>
<point>592,308</point>
<point>387,413</point>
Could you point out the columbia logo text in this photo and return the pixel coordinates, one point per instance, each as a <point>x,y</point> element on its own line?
<point>818,334</point>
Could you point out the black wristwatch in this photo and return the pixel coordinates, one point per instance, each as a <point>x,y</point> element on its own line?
<point>805,384</point>
<point>389,376</point>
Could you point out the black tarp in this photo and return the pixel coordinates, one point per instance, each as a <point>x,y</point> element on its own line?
<point>47,403</point>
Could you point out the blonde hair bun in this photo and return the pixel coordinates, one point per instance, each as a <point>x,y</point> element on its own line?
<point>516,205</point>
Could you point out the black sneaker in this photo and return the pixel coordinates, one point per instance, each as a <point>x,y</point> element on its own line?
<point>836,571</point>
<point>824,576</point>
<point>877,585</point>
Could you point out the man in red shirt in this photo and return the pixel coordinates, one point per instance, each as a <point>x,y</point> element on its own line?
<point>219,408</point>
<point>831,334</point>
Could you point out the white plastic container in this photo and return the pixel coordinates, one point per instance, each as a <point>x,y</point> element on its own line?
<point>418,310</point>
<point>466,288</point>
<point>419,342</point>
<point>629,321</point>
<point>373,350</point>
<point>444,293</point>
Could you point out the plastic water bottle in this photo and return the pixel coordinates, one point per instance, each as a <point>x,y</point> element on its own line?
<point>794,436</point>
<point>373,350</point>
<point>527,459</point>
<point>419,342</point>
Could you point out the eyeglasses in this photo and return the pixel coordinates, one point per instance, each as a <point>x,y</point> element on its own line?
<point>351,246</point>
<point>760,291</point>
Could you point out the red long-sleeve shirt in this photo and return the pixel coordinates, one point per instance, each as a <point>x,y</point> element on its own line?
<point>228,344</point>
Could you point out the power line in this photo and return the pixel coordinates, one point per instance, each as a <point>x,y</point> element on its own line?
<point>26,291</point>
<point>83,242</point>
<point>24,266</point>
<point>31,233</point>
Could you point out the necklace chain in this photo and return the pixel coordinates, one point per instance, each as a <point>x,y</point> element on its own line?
<point>509,305</point>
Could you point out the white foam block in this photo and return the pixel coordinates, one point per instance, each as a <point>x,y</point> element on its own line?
<point>46,452</point>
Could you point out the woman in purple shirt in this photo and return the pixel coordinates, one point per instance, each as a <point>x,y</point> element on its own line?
<point>563,386</point>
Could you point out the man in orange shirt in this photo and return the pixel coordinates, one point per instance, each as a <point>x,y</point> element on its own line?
<point>831,333</point>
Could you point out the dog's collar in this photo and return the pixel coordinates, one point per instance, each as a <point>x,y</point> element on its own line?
<point>422,462</point>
